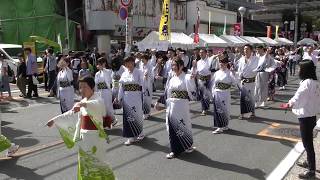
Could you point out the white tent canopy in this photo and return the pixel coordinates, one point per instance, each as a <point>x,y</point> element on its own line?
<point>178,40</point>
<point>210,40</point>
<point>307,41</point>
<point>268,41</point>
<point>234,40</point>
<point>284,41</point>
<point>252,40</point>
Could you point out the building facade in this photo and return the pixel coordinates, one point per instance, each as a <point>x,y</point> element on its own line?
<point>102,17</point>
<point>209,16</point>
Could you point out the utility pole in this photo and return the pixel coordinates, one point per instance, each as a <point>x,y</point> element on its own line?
<point>296,23</point>
<point>67,23</point>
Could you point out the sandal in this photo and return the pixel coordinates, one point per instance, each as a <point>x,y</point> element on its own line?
<point>190,150</point>
<point>252,116</point>
<point>203,113</point>
<point>129,142</point>
<point>217,131</point>
<point>170,155</point>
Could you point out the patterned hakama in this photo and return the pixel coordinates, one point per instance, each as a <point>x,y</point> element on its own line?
<point>132,114</point>
<point>222,80</point>
<point>204,94</point>
<point>261,90</point>
<point>221,108</point>
<point>65,89</point>
<point>130,93</point>
<point>103,85</point>
<point>247,98</point>
<point>147,88</point>
<point>179,126</point>
<point>147,100</point>
<point>179,90</point>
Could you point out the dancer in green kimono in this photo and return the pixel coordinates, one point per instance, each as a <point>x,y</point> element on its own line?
<point>87,132</point>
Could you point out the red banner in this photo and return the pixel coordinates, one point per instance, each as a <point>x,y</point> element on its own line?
<point>269,32</point>
<point>196,38</point>
<point>237,29</point>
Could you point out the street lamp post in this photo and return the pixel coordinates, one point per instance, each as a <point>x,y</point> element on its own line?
<point>303,30</point>
<point>242,10</point>
<point>67,24</point>
<point>313,30</point>
<point>286,28</point>
<point>296,23</point>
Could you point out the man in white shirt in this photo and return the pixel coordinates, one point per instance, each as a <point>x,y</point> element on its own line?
<point>203,73</point>
<point>247,74</point>
<point>266,65</point>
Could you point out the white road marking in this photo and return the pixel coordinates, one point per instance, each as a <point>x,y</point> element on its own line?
<point>287,163</point>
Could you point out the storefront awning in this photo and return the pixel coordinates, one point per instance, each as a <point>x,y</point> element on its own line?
<point>210,40</point>
<point>268,41</point>
<point>284,41</point>
<point>178,40</point>
<point>234,41</point>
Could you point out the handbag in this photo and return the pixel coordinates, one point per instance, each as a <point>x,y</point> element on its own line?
<point>35,80</point>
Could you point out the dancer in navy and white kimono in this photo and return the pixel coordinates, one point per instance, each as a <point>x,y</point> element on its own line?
<point>65,86</point>
<point>130,94</point>
<point>222,81</point>
<point>146,68</point>
<point>103,82</point>
<point>203,73</point>
<point>117,70</point>
<point>180,89</point>
<point>266,65</point>
<point>247,64</point>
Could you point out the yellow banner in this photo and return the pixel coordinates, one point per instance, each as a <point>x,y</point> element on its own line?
<point>165,24</point>
<point>277,32</point>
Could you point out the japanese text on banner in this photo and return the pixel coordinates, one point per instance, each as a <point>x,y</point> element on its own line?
<point>165,24</point>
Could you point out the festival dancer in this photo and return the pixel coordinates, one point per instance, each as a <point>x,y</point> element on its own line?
<point>65,85</point>
<point>117,70</point>
<point>265,66</point>
<point>180,89</point>
<point>247,64</point>
<point>130,96</point>
<point>87,131</point>
<point>222,81</point>
<point>146,68</point>
<point>103,82</point>
<point>203,73</point>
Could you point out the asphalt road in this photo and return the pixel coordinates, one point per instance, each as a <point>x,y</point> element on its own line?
<point>251,149</point>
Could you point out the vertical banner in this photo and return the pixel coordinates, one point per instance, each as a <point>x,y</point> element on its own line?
<point>129,31</point>
<point>196,38</point>
<point>209,23</point>
<point>59,41</point>
<point>269,31</point>
<point>225,26</point>
<point>291,25</point>
<point>165,24</point>
<point>277,32</point>
<point>237,29</point>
